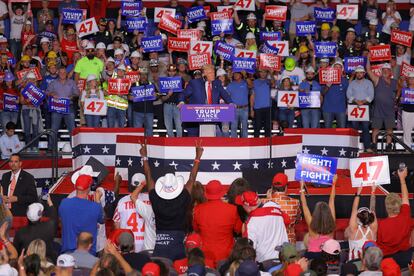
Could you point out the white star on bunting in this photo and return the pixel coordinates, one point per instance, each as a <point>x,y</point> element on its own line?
<point>342,152</point>
<point>105,149</point>
<point>216,166</point>
<point>283,163</point>
<point>87,149</point>
<point>237,166</point>
<point>173,164</point>
<point>255,165</point>
<point>129,162</point>
<point>118,162</point>
<point>306,150</point>
<point>324,151</point>
<point>156,163</point>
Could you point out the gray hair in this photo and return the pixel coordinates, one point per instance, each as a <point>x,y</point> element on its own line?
<point>372,259</point>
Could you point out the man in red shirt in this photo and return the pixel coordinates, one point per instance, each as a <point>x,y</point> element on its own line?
<point>216,221</point>
<point>192,241</point>
<point>394,232</point>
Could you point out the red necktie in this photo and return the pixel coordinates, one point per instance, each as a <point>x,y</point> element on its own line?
<point>209,94</point>
<point>12,187</point>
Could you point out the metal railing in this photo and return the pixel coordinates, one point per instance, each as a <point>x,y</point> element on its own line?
<point>395,140</point>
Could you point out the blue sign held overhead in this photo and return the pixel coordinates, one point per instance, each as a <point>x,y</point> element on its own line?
<point>324,14</point>
<point>225,50</point>
<point>350,63</point>
<point>136,24</point>
<point>272,36</point>
<point>143,93</point>
<point>71,16</point>
<point>131,8</point>
<point>325,49</point>
<point>196,14</point>
<point>304,28</point>
<point>222,26</point>
<point>168,84</point>
<point>152,44</point>
<point>244,64</point>
<point>315,168</point>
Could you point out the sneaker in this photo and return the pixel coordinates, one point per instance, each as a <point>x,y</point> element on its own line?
<point>388,147</point>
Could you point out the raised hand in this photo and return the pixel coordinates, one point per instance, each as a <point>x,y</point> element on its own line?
<point>199,149</point>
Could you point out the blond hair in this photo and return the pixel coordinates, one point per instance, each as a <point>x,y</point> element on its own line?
<point>393,204</point>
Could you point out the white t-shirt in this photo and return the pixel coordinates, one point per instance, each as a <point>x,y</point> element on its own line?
<point>16,26</point>
<point>404,58</point>
<point>296,76</point>
<point>144,209</point>
<point>3,11</point>
<point>93,95</point>
<point>386,28</point>
<point>6,269</point>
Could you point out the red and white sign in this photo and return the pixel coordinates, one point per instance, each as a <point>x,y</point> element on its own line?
<point>201,47</point>
<point>169,24</point>
<point>178,44</point>
<point>133,76</point>
<point>330,75</point>
<point>406,69</point>
<point>287,99</point>
<point>274,12</point>
<point>377,69</point>
<point>22,73</point>
<point>81,84</point>
<point>347,12</point>
<point>160,12</point>
<point>192,34</point>
<point>401,37</point>
<point>358,113</point>
<point>245,5</point>
<point>270,62</point>
<point>380,53</point>
<point>369,171</point>
<point>228,9</point>
<point>119,86</point>
<point>283,47</point>
<point>87,27</point>
<point>95,107</point>
<point>242,53</point>
<point>220,15</point>
<point>197,61</point>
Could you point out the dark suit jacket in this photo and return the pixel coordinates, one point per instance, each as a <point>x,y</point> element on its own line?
<point>195,92</point>
<point>25,191</point>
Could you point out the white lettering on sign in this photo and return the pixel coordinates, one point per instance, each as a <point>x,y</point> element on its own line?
<point>170,84</point>
<point>325,49</point>
<point>207,113</point>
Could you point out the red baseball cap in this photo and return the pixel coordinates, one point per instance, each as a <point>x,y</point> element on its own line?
<point>390,268</point>
<point>248,198</point>
<point>214,190</point>
<point>83,182</point>
<point>193,240</point>
<point>151,269</point>
<point>280,180</point>
<point>293,270</point>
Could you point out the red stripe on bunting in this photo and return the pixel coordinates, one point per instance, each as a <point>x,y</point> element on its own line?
<point>106,130</point>
<point>326,131</point>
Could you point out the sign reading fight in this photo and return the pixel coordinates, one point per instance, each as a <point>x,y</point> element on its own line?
<point>325,49</point>
<point>242,53</point>
<point>407,96</point>
<point>245,5</point>
<point>225,50</point>
<point>208,113</point>
<point>329,75</point>
<point>315,169</point>
<point>81,84</point>
<point>222,26</point>
<point>310,99</point>
<point>136,24</point>
<point>244,64</point>
<point>201,47</point>
<point>287,99</point>
<point>35,70</point>
<point>160,12</point>
<point>152,44</point>
<point>170,84</point>
<point>268,48</point>
<point>143,93</point>
<point>196,14</point>
<point>131,8</point>
<point>304,28</point>
<point>228,9</point>
<point>347,12</point>
<point>220,15</point>
<point>350,63</point>
<point>197,61</point>
<point>179,44</point>
<point>358,113</point>
<point>266,36</point>
<point>270,62</point>
<point>169,24</point>
<point>192,34</point>
<point>401,37</point>
<point>274,12</point>
<point>406,69</point>
<point>380,53</point>
<point>369,171</point>
<point>118,86</point>
<point>95,107</point>
<point>324,15</point>
<point>71,16</point>
<point>59,105</point>
<point>282,46</point>
<point>34,94</point>
<point>10,102</point>
<point>86,27</point>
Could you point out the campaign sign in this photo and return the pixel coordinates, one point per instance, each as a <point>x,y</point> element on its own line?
<point>282,46</point>
<point>347,12</point>
<point>152,44</point>
<point>245,5</point>
<point>71,16</point>
<point>380,53</point>
<point>315,168</point>
<point>169,24</point>
<point>86,27</point>
<point>170,84</point>
<point>270,62</point>
<point>304,28</point>
<point>34,94</point>
<point>208,113</point>
<point>401,37</point>
<point>143,93</point>
<point>274,12</point>
<point>131,8</point>
<point>81,84</point>
<point>329,75</point>
<point>244,64</point>
<point>324,14</point>
<point>325,49</point>
<point>369,171</point>
<point>268,48</point>
<point>220,15</point>
<point>196,14</point>
<point>359,113</point>
<point>310,99</point>
<point>59,105</point>
<point>406,69</point>
<point>160,12</point>
<point>377,69</point>
<point>192,34</point>
<point>242,53</point>
<point>179,44</point>
<point>201,47</point>
<point>22,73</point>
<point>287,98</point>
<point>351,63</point>
<point>133,76</point>
<point>407,96</point>
<point>11,61</point>
<point>10,102</point>
<point>136,24</point>
<point>266,36</point>
<point>225,50</point>
<point>222,26</point>
<point>95,107</point>
<point>197,61</point>
<point>118,86</point>
<point>228,9</point>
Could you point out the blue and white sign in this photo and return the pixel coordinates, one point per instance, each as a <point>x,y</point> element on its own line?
<point>407,96</point>
<point>196,14</point>
<point>350,63</point>
<point>272,36</point>
<point>325,49</point>
<point>131,8</point>
<point>310,99</point>
<point>71,16</point>
<point>304,28</point>
<point>208,113</point>
<point>143,93</point>
<point>244,64</point>
<point>225,50</point>
<point>168,84</point>
<point>324,14</point>
<point>59,105</point>
<point>315,169</point>
<point>267,48</point>
<point>34,94</point>
<point>222,26</point>
<point>152,44</point>
<point>136,24</point>
<point>10,103</point>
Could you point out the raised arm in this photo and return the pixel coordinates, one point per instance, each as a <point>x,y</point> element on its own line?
<point>372,203</point>
<point>60,29</point>
<point>404,191</point>
<point>332,197</point>
<point>371,74</point>
<point>194,170</point>
<point>10,6</point>
<point>306,212</point>
<point>353,224</point>
<point>118,20</point>
<point>147,169</point>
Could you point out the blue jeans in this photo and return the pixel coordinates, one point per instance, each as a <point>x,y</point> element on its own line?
<point>8,116</point>
<point>92,120</point>
<point>310,117</point>
<point>15,47</point>
<point>130,122</point>
<point>116,117</point>
<point>57,121</point>
<point>287,115</point>
<point>366,137</point>
<point>172,117</point>
<point>340,117</point>
<point>242,114</point>
<point>144,119</point>
<point>31,127</point>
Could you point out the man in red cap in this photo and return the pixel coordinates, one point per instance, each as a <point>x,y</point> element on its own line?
<point>265,225</point>
<point>216,221</point>
<point>78,214</point>
<point>192,241</point>
<point>290,206</point>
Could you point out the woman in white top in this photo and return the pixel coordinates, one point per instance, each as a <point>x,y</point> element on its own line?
<point>92,91</point>
<point>18,18</point>
<point>363,225</point>
<point>390,16</point>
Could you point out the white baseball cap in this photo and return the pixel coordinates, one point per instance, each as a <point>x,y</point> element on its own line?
<point>121,67</point>
<point>118,52</point>
<point>136,54</point>
<point>110,59</point>
<point>100,45</point>
<point>386,66</point>
<point>90,46</point>
<point>221,72</point>
<point>90,77</point>
<point>360,69</point>
<point>250,35</point>
<point>34,211</point>
<point>44,40</point>
<point>65,260</point>
<point>169,186</point>
<point>137,179</point>
<point>310,70</point>
<point>251,16</point>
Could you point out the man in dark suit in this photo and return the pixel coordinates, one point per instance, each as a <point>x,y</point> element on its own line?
<point>18,187</point>
<point>207,90</point>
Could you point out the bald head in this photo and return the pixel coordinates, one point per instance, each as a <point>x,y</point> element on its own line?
<point>85,240</point>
